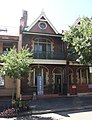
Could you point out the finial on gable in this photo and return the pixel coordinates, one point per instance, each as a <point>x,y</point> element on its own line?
<point>42,12</point>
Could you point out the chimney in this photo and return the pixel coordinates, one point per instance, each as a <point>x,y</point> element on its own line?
<point>23,21</point>
<point>25,17</point>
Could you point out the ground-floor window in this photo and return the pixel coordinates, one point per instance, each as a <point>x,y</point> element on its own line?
<point>2,82</point>
<point>83,76</point>
<point>70,76</point>
<point>37,71</point>
<point>40,72</point>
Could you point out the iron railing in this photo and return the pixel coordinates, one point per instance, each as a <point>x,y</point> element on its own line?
<point>46,55</point>
<point>49,55</point>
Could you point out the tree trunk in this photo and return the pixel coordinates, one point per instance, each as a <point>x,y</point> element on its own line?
<point>13,89</point>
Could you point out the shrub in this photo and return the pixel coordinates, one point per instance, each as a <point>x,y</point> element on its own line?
<point>20,105</point>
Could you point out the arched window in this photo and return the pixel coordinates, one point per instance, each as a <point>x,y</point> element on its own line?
<point>82,76</point>
<point>42,48</point>
<point>37,71</point>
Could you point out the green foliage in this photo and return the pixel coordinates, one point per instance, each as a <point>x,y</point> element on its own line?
<point>80,38</point>
<point>16,63</point>
<point>17,103</point>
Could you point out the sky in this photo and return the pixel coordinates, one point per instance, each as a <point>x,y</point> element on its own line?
<point>61,13</point>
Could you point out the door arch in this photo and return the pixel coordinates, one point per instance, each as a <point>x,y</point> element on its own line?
<point>58,80</point>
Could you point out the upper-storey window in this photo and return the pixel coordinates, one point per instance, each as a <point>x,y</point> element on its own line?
<point>7,46</point>
<point>42,48</point>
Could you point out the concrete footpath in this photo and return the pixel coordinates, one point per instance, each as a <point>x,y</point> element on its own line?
<point>62,104</point>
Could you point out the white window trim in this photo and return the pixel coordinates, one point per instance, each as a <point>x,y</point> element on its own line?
<point>2,80</point>
<point>40,26</point>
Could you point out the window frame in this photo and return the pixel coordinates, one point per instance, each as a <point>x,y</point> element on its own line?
<point>43,47</point>
<point>39,24</point>
<point>33,76</point>
<point>3,78</point>
<point>83,74</point>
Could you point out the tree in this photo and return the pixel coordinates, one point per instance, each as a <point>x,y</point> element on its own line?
<point>16,63</point>
<point>80,38</point>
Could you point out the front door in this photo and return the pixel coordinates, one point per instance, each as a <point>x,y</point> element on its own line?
<point>58,84</point>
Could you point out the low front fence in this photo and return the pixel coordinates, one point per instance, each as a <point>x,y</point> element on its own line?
<point>84,88</point>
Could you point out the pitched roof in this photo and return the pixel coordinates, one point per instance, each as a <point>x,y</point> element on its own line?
<point>43,17</point>
<point>8,30</point>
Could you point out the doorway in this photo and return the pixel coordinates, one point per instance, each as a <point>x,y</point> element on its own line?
<point>58,84</point>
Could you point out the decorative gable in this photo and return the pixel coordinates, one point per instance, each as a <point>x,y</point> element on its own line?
<point>42,25</point>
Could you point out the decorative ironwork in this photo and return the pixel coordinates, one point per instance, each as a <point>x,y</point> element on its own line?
<point>48,55</point>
